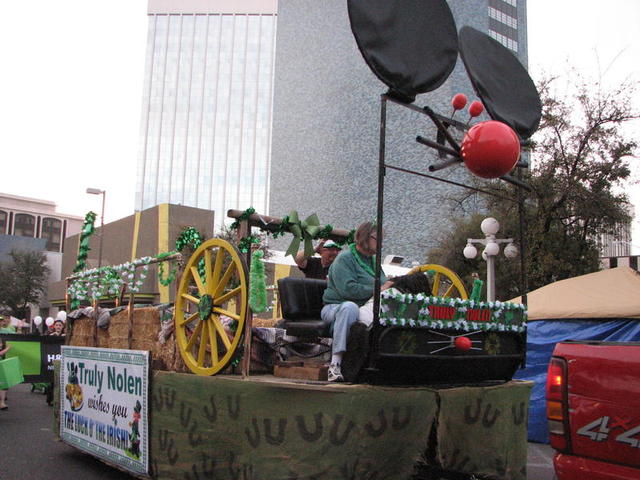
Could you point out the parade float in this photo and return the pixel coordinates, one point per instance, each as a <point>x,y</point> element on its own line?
<point>172,392</point>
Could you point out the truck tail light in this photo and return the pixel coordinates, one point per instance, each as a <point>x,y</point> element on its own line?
<point>557,404</point>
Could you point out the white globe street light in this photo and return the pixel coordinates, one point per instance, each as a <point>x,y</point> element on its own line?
<point>490,227</point>
<point>470,251</point>
<point>492,249</point>
<point>511,251</point>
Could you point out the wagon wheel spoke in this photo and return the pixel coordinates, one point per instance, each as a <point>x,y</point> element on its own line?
<point>194,336</point>
<point>191,298</point>
<point>436,284</point>
<point>217,268</point>
<point>214,344</point>
<point>187,319</point>
<point>196,277</point>
<point>221,311</point>
<point>222,334</point>
<point>204,338</point>
<point>227,296</point>
<point>449,291</point>
<point>225,280</point>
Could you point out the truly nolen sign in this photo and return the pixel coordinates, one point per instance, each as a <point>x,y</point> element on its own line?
<point>104,404</point>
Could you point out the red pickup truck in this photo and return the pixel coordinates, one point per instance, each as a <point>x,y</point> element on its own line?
<point>593,410</point>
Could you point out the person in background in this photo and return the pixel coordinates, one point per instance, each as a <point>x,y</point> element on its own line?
<point>5,324</point>
<point>350,284</point>
<point>58,328</point>
<point>318,267</point>
<point>4,348</point>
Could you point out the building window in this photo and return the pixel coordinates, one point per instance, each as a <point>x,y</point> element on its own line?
<point>24,225</point>
<point>3,222</point>
<point>52,232</point>
<point>507,42</point>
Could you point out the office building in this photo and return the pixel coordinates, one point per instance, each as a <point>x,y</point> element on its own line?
<point>207,105</point>
<point>327,119</point>
<point>33,224</point>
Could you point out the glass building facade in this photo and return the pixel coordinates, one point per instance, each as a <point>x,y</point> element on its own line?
<point>207,106</point>
<point>503,22</point>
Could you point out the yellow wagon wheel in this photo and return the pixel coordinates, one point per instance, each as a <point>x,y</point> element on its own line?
<point>445,282</point>
<point>210,307</point>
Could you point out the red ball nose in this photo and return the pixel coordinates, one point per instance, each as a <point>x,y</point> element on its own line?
<point>462,343</point>
<point>490,149</point>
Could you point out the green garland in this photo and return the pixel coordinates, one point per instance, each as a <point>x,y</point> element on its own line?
<point>423,311</point>
<point>257,283</point>
<point>280,229</point>
<point>172,274</point>
<point>243,216</point>
<point>189,237</point>
<point>244,245</point>
<point>83,247</point>
<point>108,281</point>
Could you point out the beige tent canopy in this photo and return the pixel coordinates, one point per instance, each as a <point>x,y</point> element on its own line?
<point>610,293</point>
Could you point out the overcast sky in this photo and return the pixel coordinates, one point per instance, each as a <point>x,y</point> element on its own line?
<point>70,92</point>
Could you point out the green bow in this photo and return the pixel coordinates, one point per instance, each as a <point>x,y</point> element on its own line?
<point>305,230</point>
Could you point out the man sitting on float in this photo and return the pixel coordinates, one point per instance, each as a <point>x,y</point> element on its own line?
<point>350,285</point>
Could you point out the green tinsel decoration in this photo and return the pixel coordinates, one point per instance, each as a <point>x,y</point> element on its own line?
<point>257,284</point>
<point>244,245</point>
<point>476,293</point>
<point>243,216</point>
<point>189,237</point>
<point>83,248</point>
<point>170,278</point>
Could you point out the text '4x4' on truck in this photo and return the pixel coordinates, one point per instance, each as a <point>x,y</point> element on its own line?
<point>593,409</point>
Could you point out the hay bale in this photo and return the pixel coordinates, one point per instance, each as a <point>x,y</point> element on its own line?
<point>119,330</point>
<point>83,332</point>
<point>265,322</point>
<point>103,337</point>
<point>146,325</point>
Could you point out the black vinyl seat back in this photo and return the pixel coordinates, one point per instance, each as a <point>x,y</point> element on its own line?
<point>301,303</point>
<point>301,298</point>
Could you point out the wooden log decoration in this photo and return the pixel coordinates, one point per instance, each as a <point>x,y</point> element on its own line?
<point>271,224</point>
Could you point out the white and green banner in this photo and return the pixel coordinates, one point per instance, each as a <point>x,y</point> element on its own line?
<point>104,404</point>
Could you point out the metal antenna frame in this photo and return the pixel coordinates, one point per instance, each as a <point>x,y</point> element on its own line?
<point>442,124</point>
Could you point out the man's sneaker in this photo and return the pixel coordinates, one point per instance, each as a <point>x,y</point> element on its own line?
<point>334,374</point>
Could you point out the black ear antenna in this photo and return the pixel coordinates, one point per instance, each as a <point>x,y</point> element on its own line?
<point>416,52</point>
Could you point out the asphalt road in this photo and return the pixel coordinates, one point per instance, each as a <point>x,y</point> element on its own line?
<point>29,449</point>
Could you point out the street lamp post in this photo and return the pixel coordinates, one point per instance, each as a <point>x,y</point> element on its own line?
<point>97,191</point>
<point>490,227</point>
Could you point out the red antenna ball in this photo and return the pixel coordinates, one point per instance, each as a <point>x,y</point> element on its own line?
<point>490,149</point>
<point>459,101</point>
<point>476,108</point>
<point>462,343</point>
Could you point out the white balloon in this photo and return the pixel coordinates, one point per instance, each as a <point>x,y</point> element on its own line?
<point>62,315</point>
<point>37,320</point>
<point>49,321</point>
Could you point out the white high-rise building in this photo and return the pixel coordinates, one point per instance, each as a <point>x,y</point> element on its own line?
<point>207,105</point>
